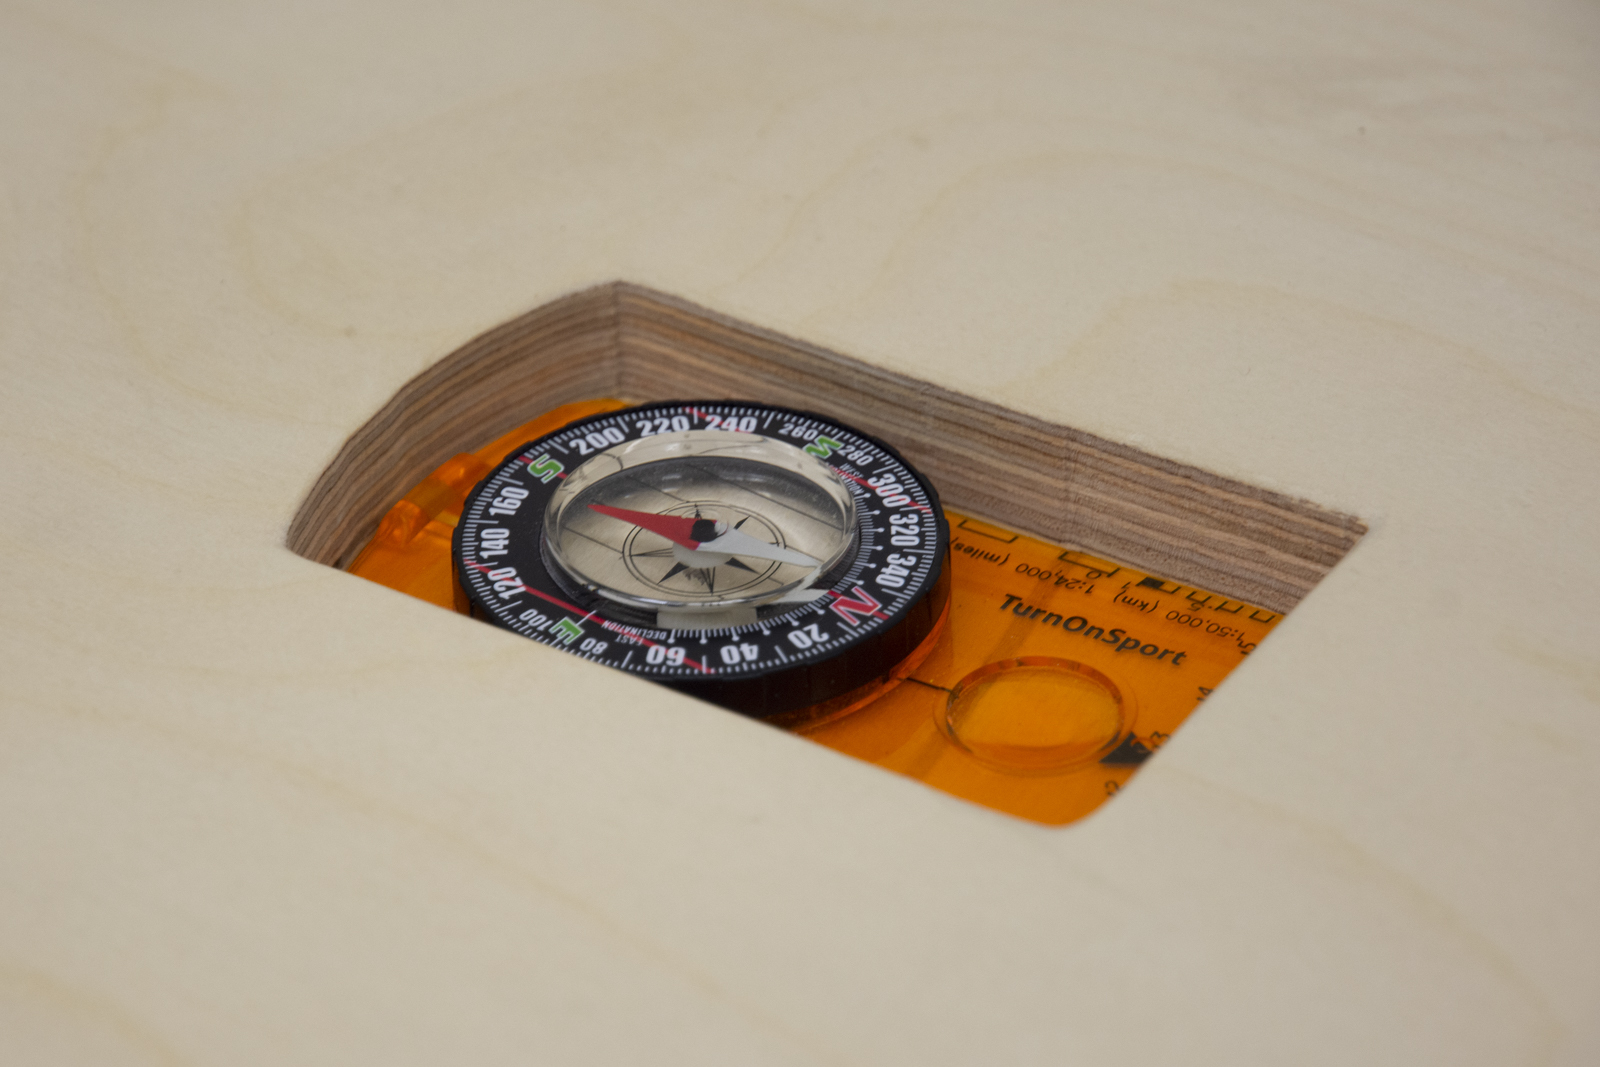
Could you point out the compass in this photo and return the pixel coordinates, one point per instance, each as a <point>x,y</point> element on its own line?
<point>765,559</point>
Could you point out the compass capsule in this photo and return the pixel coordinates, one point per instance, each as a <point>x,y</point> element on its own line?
<point>703,527</point>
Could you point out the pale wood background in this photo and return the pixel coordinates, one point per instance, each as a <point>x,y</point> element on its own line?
<point>253,810</point>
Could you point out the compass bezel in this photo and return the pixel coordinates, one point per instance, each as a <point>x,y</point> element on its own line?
<point>866,628</point>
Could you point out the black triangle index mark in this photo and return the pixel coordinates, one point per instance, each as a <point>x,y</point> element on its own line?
<point>677,568</point>
<point>741,566</point>
<point>1130,753</point>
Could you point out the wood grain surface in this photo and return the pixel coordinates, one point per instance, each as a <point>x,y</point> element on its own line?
<point>255,810</point>
<point>624,340</point>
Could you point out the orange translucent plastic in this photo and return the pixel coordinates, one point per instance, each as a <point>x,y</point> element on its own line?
<point>1055,675</point>
<point>411,550</point>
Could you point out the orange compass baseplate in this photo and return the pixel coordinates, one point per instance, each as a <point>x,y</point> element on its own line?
<point>1055,676</point>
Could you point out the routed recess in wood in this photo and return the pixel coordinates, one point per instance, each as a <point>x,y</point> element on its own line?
<point>1044,479</point>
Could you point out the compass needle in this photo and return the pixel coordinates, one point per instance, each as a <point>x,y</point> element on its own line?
<point>676,528</point>
<point>738,543</point>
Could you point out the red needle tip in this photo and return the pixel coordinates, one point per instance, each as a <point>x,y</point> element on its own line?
<point>675,528</point>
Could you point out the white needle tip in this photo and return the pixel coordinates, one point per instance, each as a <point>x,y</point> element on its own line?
<point>739,543</point>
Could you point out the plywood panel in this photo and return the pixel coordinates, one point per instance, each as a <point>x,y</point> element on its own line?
<point>255,810</point>
<point>624,340</point>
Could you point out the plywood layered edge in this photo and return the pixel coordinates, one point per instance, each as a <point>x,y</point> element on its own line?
<point>1045,479</point>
